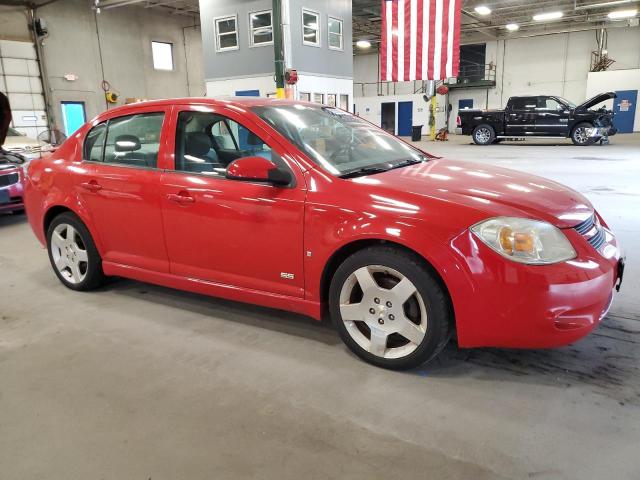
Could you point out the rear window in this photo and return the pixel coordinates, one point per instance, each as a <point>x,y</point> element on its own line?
<point>524,103</point>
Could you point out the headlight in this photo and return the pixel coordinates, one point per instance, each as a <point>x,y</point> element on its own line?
<point>526,241</point>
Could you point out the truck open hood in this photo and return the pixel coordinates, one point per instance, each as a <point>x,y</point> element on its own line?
<point>601,97</point>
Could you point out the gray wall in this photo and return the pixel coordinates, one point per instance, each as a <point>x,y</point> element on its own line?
<point>322,61</point>
<point>244,62</point>
<point>248,61</point>
<point>125,38</point>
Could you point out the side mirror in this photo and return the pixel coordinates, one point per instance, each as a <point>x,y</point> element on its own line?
<point>127,143</point>
<point>258,169</point>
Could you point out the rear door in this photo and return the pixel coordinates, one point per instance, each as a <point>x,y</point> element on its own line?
<point>119,184</point>
<point>552,119</point>
<point>521,116</point>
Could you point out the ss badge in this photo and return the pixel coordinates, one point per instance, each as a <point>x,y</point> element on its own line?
<point>287,276</point>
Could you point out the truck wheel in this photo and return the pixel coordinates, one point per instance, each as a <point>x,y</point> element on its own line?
<point>580,134</point>
<point>483,134</point>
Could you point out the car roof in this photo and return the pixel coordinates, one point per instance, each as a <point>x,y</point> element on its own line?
<point>240,102</point>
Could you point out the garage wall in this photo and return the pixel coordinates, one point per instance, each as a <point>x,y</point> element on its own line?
<point>615,80</point>
<point>125,34</point>
<point>552,64</point>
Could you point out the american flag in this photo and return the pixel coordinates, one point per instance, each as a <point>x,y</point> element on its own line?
<point>420,40</point>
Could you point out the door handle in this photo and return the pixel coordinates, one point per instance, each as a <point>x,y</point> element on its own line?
<point>181,198</point>
<point>92,186</point>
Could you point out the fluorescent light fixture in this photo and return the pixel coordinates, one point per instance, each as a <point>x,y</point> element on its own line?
<point>623,14</point>
<point>512,27</point>
<point>541,17</point>
<point>363,44</point>
<point>482,10</point>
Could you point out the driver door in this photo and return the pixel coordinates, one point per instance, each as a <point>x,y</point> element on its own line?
<point>237,233</point>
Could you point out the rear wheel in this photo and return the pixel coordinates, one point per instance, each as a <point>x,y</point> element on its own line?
<point>483,134</point>
<point>389,309</point>
<point>73,254</point>
<point>580,135</point>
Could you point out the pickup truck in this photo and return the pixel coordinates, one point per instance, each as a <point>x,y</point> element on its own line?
<point>545,116</point>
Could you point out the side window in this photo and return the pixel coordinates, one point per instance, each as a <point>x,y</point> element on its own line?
<point>548,103</point>
<point>134,140</point>
<point>94,142</point>
<point>524,103</point>
<point>207,143</point>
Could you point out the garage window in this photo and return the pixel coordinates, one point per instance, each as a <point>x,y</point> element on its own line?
<point>344,102</point>
<point>335,33</point>
<point>318,97</point>
<point>261,28</point>
<point>331,99</point>
<point>310,28</point>
<point>226,33</point>
<point>304,96</point>
<point>162,53</point>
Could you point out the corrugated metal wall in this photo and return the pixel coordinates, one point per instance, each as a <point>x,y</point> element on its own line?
<point>20,80</point>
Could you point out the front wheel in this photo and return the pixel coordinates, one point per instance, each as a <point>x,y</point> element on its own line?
<point>389,309</point>
<point>581,134</point>
<point>73,254</point>
<point>483,134</point>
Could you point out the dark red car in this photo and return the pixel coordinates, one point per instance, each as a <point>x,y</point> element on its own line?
<point>11,186</point>
<point>299,206</point>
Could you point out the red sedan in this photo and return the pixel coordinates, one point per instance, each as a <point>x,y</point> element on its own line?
<point>299,206</point>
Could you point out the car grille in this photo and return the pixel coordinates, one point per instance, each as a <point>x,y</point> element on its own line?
<point>592,231</point>
<point>6,180</point>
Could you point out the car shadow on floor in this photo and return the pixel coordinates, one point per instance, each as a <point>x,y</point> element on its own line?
<point>252,315</point>
<point>606,362</point>
<point>7,219</point>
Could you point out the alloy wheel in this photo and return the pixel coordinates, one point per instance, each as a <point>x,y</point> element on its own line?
<point>383,311</point>
<point>581,134</point>
<point>483,135</point>
<point>69,253</point>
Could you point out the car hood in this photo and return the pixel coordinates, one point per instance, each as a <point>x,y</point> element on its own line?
<point>490,191</point>
<point>601,97</point>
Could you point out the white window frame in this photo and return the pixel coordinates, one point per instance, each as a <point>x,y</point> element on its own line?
<point>341,22</point>
<point>153,58</point>
<point>302,27</point>
<point>217,33</point>
<point>251,29</point>
<point>300,94</point>
<point>322,98</point>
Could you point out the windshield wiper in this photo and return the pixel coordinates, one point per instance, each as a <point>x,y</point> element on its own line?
<point>406,163</point>
<point>364,171</point>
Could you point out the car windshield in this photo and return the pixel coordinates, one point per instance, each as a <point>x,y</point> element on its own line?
<point>567,102</point>
<point>13,133</point>
<point>339,142</point>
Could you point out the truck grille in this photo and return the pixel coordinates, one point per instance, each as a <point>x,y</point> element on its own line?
<point>592,231</point>
<point>10,179</point>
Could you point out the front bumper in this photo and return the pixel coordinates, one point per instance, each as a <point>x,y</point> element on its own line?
<point>15,197</point>
<point>534,306</point>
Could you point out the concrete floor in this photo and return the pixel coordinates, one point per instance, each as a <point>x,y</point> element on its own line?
<point>139,382</point>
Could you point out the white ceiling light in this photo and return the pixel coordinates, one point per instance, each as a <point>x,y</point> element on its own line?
<point>363,44</point>
<point>541,17</point>
<point>623,14</point>
<point>512,27</point>
<point>482,10</point>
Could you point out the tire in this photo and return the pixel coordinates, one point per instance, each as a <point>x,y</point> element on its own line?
<point>75,261</point>
<point>580,137</point>
<point>425,316</point>
<point>483,134</point>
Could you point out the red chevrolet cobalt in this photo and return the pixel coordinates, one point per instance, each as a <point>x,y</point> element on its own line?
<point>300,206</point>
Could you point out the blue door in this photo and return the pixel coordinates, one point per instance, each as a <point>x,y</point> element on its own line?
<point>247,93</point>
<point>405,118</point>
<point>73,116</point>
<point>465,103</point>
<point>624,110</point>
